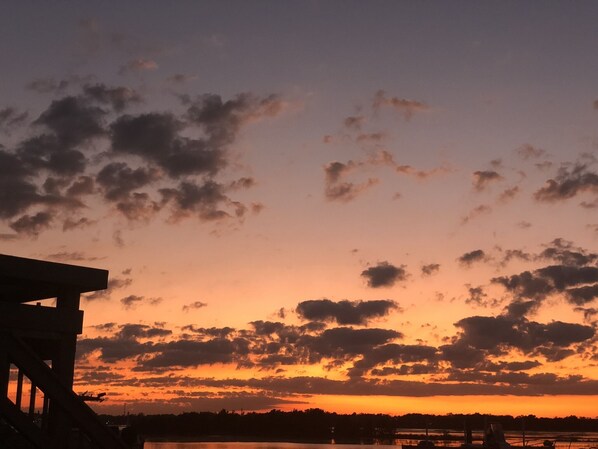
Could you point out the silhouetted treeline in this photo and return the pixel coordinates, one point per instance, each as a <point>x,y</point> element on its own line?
<point>318,425</point>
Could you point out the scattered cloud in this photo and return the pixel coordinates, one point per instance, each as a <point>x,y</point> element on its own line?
<point>482,179</point>
<point>468,259</point>
<point>11,118</point>
<point>76,256</point>
<point>32,225</point>
<point>488,355</point>
<point>354,122</point>
<point>114,283</point>
<point>404,106</point>
<point>508,194</point>
<point>482,209</point>
<point>430,269</point>
<point>384,274</point>
<point>51,175</point>
<point>527,152</point>
<point>569,182</point>
<point>345,312</point>
<point>132,301</point>
<point>118,97</point>
<point>194,306</point>
<point>337,189</point>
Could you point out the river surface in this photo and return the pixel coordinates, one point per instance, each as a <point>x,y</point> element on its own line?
<point>569,440</point>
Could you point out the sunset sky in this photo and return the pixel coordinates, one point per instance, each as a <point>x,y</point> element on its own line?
<point>370,206</point>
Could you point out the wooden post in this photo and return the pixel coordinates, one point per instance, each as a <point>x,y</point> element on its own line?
<point>45,414</point>
<point>63,364</point>
<point>4,368</point>
<point>32,400</point>
<point>19,389</point>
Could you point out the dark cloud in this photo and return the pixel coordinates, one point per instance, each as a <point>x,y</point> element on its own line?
<point>345,312</point>
<point>384,274</point>
<point>17,192</point>
<point>187,353</point>
<point>481,337</point>
<point>477,295</point>
<point>485,357</point>
<point>72,256</point>
<point>70,124</point>
<point>130,330</point>
<point>395,354</point>
<point>569,182</point>
<point>564,252</point>
<point>472,257</point>
<point>384,158</point>
<point>154,164</point>
<point>83,185</point>
<point>342,342</point>
<point>132,301</point>
<point>508,194</point>
<point>46,152</point>
<point>430,269</point>
<point>406,107</point>
<point>588,313</point>
<point>117,97</point>
<point>51,85</point>
<point>155,137</point>
<point>511,254</point>
<point>531,288</point>
<point>217,332</point>
<point>540,385</point>
<point>43,85</point>
<point>194,305</point>
<point>32,225</point>
<point>72,120</point>
<point>114,283</point>
<point>207,201</point>
<point>268,327</point>
<point>528,151</point>
<point>221,120</point>
<point>354,122</point>
<point>70,224</point>
<point>242,183</point>
<point>119,180</point>
<point>582,295</point>
<point>123,345</point>
<point>482,179</point>
<point>11,118</point>
<point>376,137</point>
<point>482,209</point>
<point>337,189</point>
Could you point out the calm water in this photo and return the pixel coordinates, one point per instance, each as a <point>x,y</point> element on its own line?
<point>534,440</point>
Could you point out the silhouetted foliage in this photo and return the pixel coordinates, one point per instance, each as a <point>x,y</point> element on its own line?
<point>320,426</point>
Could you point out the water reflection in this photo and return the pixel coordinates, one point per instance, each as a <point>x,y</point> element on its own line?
<point>564,441</point>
